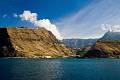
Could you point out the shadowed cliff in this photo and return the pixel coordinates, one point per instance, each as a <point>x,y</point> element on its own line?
<point>6,47</point>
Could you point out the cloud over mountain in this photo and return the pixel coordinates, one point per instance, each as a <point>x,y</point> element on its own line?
<point>113,28</point>
<point>32,17</point>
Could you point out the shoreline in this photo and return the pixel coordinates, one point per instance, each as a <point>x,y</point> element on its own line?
<point>53,58</point>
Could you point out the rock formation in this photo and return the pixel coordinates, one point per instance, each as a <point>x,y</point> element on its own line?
<point>104,49</point>
<point>24,42</point>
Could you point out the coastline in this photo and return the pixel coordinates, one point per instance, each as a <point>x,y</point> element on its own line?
<point>54,58</point>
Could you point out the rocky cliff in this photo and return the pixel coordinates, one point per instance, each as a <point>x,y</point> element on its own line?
<point>24,42</point>
<point>103,49</point>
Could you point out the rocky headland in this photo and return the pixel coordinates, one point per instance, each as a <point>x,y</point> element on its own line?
<point>33,43</point>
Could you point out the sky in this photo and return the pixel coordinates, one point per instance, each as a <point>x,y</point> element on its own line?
<point>66,18</point>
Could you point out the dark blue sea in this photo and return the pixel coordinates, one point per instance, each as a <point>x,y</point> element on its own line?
<point>59,69</point>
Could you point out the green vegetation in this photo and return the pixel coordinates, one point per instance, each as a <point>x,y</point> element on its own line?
<point>53,56</point>
<point>57,56</point>
<point>80,52</point>
<point>39,54</point>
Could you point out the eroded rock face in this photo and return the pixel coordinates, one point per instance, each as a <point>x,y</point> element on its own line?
<point>103,49</point>
<point>17,42</point>
<point>6,47</point>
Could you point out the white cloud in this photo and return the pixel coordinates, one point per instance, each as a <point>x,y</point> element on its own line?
<point>15,15</point>
<point>32,17</point>
<point>109,27</point>
<point>28,16</point>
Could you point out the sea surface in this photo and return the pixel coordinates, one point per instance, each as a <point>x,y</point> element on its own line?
<point>59,69</point>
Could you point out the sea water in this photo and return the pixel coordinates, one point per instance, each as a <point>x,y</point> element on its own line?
<point>59,69</point>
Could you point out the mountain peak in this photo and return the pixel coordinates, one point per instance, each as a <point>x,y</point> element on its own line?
<point>111,36</point>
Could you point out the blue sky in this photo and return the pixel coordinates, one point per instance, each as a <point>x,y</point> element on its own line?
<point>51,9</point>
<point>73,18</point>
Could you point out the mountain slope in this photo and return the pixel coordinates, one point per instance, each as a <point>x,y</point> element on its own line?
<point>111,36</point>
<point>78,43</point>
<point>17,42</point>
<point>104,49</point>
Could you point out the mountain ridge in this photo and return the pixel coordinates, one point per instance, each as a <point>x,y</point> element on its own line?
<point>79,43</point>
<point>111,36</point>
<point>107,46</point>
<point>25,42</point>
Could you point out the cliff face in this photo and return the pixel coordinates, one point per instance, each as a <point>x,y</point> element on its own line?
<point>17,42</point>
<point>104,49</point>
<point>79,43</point>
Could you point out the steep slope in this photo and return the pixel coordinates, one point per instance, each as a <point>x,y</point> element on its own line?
<point>104,49</point>
<point>111,36</point>
<point>79,43</point>
<point>107,46</point>
<point>17,42</point>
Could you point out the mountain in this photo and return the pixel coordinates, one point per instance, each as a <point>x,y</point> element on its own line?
<point>111,36</point>
<point>24,42</point>
<point>79,43</point>
<point>103,49</point>
<point>107,46</point>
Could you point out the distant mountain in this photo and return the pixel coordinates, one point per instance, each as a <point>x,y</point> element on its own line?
<point>79,43</point>
<point>111,36</point>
